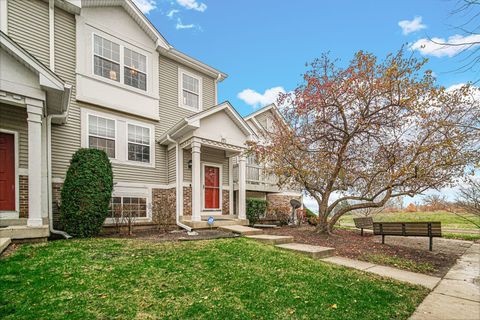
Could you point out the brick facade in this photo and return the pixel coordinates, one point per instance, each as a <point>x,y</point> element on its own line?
<point>23,189</point>
<point>225,202</point>
<point>164,207</point>
<point>278,206</point>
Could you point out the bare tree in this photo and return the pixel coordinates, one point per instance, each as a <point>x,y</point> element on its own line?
<point>469,48</point>
<point>435,202</point>
<point>468,202</point>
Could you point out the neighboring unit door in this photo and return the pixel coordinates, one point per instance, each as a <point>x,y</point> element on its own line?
<point>212,187</point>
<point>7,172</point>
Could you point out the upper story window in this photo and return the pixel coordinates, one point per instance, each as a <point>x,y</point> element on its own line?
<point>107,63</point>
<point>106,58</point>
<point>190,91</point>
<point>138,143</point>
<point>101,134</point>
<point>135,69</point>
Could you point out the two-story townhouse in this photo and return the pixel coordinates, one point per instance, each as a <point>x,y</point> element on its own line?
<point>97,74</point>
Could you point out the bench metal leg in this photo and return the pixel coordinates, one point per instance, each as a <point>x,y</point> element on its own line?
<point>361,232</point>
<point>431,244</point>
<point>383,239</point>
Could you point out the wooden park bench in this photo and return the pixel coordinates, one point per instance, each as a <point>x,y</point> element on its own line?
<point>408,229</point>
<point>363,223</point>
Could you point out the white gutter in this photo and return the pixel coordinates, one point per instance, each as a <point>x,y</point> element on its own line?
<point>179,187</point>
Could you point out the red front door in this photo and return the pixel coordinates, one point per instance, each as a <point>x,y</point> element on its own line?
<point>212,187</point>
<point>7,172</point>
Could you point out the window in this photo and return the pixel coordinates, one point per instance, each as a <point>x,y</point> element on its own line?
<point>101,134</point>
<point>123,207</point>
<point>190,91</point>
<point>135,69</point>
<point>138,143</point>
<point>106,58</point>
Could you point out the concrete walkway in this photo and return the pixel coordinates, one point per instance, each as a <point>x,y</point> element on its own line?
<point>4,242</point>
<point>389,272</point>
<point>457,296</point>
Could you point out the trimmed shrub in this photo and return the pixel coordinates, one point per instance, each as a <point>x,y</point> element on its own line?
<point>86,193</point>
<point>255,208</point>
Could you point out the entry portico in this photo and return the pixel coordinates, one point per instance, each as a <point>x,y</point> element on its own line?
<point>204,159</point>
<point>29,94</point>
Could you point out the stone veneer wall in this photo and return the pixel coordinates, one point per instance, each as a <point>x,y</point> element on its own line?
<point>164,206</point>
<point>187,201</point>
<point>23,203</point>
<point>225,200</point>
<point>56,195</point>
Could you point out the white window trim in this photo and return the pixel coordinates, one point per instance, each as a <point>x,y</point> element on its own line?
<point>98,115</point>
<point>9,214</point>
<point>133,192</point>
<point>119,139</point>
<point>181,72</point>
<point>151,140</point>
<point>220,200</point>
<point>120,83</point>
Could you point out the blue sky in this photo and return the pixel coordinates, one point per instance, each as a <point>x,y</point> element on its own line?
<point>263,45</point>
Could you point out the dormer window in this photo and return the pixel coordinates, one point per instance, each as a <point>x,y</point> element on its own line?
<point>106,58</point>
<point>135,69</point>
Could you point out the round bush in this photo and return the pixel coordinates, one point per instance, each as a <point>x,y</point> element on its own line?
<point>86,193</point>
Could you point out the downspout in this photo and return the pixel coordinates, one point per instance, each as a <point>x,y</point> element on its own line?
<point>178,189</point>
<point>49,175</point>
<point>63,116</point>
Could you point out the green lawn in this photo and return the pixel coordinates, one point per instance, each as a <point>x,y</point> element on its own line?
<point>217,279</point>
<point>448,220</point>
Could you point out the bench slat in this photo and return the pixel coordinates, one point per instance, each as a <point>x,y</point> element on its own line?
<point>407,228</point>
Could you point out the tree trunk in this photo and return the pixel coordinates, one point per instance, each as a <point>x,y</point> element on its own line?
<point>322,226</point>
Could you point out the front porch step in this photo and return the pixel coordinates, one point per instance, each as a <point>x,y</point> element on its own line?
<point>24,232</point>
<point>317,252</point>
<point>216,223</point>
<point>4,242</point>
<point>243,230</point>
<point>271,239</point>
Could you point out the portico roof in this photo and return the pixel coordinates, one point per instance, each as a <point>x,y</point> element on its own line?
<point>57,92</point>
<point>221,123</point>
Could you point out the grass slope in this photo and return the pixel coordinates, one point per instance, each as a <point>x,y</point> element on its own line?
<point>218,279</point>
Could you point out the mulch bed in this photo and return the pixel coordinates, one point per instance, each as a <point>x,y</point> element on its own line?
<point>176,235</point>
<point>350,244</point>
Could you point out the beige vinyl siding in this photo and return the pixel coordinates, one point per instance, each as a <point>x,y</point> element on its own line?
<point>170,111</point>
<point>65,138</point>
<point>28,26</point>
<point>14,118</point>
<point>172,177</point>
<point>207,155</point>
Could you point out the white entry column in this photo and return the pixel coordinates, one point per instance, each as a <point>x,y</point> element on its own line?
<point>242,186</point>
<point>196,181</point>
<point>35,115</point>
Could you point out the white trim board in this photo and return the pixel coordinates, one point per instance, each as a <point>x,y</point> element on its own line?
<point>16,151</point>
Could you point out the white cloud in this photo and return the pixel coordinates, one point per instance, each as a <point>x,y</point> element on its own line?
<point>439,47</point>
<point>409,26</point>
<point>193,5</point>
<point>172,12</point>
<point>256,100</point>
<point>181,26</point>
<point>145,5</point>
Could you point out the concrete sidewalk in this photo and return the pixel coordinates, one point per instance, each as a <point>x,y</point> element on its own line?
<point>389,272</point>
<point>457,296</point>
